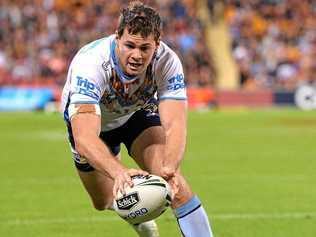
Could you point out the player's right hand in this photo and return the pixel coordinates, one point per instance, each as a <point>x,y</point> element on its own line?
<point>123,179</point>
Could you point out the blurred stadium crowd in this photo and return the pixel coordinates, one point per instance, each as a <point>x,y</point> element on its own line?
<point>38,38</point>
<point>273,41</point>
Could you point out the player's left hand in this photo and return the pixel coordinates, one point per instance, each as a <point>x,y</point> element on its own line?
<point>170,175</point>
<point>168,172</point>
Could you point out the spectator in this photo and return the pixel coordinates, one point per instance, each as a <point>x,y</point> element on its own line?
<point>38,37</point>
<point>273,41</point>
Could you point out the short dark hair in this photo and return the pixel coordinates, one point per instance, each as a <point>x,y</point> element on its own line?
<point>140,18</point>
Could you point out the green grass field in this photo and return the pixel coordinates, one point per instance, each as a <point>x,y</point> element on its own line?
<point>255,172</point>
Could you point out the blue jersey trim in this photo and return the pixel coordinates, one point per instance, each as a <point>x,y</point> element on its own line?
<point>122,76</point>
<point>172,98</point>
<point>84,102</point>
<point>193,204</point>
<point>68,124</point>
<point>66,114</point>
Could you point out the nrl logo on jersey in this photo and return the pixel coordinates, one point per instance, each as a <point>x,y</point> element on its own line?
<point>106,66</point>
<point>128,201</point>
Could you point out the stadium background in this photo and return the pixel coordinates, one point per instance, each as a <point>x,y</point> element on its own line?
<point>250,151</point>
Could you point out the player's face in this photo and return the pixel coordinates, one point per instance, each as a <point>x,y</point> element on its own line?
<point>135,52</point>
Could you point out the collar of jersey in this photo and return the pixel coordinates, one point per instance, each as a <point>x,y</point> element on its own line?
<point>123,77</point>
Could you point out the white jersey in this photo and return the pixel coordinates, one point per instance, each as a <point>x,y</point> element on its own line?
<point>92,79</point>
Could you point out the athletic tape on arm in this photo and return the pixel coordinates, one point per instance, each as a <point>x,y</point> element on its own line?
<point>75,109</point>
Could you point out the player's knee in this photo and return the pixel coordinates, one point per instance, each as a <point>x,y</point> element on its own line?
<point>99,206</point>
<point>102,205</point>
<point>181,197</point>
<point>184,194</point>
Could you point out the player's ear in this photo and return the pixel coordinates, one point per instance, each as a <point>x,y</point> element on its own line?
<point>157,45</point>
<point>158,42</point>
<point>116,35</point>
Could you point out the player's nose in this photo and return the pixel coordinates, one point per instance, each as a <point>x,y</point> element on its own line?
<point>137,55</point>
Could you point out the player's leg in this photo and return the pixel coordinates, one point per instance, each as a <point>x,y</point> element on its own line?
<point>148,150</point>
<point>99,187</point>
<point>113,138</point>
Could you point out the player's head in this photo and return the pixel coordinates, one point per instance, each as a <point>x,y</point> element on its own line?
<point>137,37</point>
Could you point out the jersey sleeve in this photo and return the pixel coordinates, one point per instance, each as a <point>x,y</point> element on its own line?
<point>170,81</point>
<point>86,82</point>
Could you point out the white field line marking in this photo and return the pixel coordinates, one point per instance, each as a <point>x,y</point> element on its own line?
<point>232,216</point>
<point>41,135</point>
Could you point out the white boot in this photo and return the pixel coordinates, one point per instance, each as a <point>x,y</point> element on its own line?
<point>147,229</point>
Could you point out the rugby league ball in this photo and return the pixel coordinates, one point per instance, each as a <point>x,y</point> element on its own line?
<point>146,200</point>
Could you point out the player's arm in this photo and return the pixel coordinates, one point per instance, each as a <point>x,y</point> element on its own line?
<point>172,109</point>
<point>173,115</point>
<point>86,126</point>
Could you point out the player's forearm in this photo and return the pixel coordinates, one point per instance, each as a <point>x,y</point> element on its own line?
<point>173,115</point>
<point>98,155</point>
<point>175,143</point>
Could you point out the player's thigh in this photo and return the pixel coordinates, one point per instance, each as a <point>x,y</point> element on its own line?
<point>99,188</point>
<point>148,149</point>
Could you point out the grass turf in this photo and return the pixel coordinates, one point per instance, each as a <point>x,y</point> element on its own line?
<point>253,170</point>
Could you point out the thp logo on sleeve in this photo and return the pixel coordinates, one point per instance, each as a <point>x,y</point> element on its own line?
<point>87,88</point>
<point>176,83</point>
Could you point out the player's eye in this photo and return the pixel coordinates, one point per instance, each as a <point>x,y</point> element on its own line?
<point>130,46</point>
<point>144,48</point>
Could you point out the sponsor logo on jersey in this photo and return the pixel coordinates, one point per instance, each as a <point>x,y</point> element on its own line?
<point>87,88</point>
<point>128,201</point>
<point>176,82</point>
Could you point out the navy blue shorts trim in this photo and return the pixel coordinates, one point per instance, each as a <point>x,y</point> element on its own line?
<point>126,134</point>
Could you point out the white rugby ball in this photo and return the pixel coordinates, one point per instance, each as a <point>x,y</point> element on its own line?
<point>146,200</point>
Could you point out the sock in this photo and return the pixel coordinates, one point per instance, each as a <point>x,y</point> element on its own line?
<point>192,219</point>
<point>147,229</point>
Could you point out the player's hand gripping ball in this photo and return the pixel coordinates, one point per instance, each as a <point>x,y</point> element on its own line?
<point>146,200</point>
